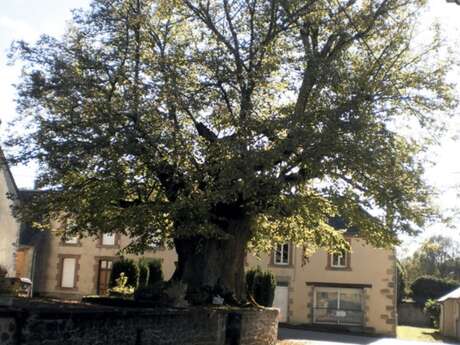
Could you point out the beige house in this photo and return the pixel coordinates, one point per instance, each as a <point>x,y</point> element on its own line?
<point>449,320</point>
<point>354,290</point>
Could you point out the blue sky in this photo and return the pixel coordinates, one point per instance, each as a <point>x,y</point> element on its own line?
<point>25,19</point>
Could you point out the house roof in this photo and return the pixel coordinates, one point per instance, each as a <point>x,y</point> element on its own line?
<point>451,295</point>
<point>339,223</point>
<point>4,163</point>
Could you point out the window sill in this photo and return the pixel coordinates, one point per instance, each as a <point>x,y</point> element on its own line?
<point>330,268</point>
<point>280,265</point>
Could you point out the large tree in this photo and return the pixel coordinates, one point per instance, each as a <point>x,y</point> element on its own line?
<point>223,125</point>
<point>438,256</point>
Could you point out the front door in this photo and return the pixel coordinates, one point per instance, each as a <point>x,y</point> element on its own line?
<point>281,302</point>
<point>105,268</point>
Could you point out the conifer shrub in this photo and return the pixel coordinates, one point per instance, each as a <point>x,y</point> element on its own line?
<point>155,272</point>
<point>144,272</point>
<point>261,286</point>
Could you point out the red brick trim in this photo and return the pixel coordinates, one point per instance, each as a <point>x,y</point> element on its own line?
<point>61,258</point>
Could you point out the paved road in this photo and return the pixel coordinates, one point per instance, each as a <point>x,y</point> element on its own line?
<point>304,337</point>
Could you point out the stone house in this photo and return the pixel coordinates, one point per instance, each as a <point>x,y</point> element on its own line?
<point>351,290</point>
<point>355,290</point>
<point>10,249</point>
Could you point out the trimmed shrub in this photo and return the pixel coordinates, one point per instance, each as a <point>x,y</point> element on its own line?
<point>155,272</point>
<point>261,286</point>
<point>144,272</point>
<point>129,268</point>
<point>428,287</point>
<point>433,310</point>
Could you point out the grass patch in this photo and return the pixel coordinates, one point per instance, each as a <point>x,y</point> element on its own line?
<point>420,334</point>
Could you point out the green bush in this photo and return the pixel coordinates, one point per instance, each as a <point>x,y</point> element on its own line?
<point>428,287</point>
<point>129,268</point>
<point>155,272</point>
<point>261,286</point>
<point>144,273</point>
<point>433,310</point>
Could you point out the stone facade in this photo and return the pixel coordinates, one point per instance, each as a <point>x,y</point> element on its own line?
<point>368,270</point>
<point>98,326</point>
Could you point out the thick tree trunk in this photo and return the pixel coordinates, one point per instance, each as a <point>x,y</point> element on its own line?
<point>215,264</point>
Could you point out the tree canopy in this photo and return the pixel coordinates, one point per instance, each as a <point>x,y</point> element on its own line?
<point>254,120</point>
<point>438,256</point>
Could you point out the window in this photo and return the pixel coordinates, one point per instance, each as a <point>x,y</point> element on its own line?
<point>108,239</point>
<point>69,266</point>
<point>338,306</point>
<point>281,255</point>
<point>71,240</point>
<point>339,260</point>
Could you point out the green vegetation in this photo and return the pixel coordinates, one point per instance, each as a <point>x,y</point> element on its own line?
<point>217,126</point>
<point>130,270</point>
<point>427,287</point>
<point>155,271</point>
<point>144,272</point>
<point>261,286</point>
<point>438,256</point>
<point>433,309</point>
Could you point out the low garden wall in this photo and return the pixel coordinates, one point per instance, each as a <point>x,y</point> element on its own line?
<point>103,326</point>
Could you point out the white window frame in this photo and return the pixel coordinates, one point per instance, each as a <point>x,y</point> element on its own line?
<point>281,249</point>
<point>68,280</point>
<point>71,240</point>
<point>107,236</point>
<point>342,260</point>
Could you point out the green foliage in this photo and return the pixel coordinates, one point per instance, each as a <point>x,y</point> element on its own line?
<point>261,286</point>
<point>401,277</point>
<point>121,287</point>
<point>285,115</point>
<point>438,256</point>
<point>144,272</point>
<point>433,309</point>
<point>155,271</point>
<point>130,271</point>
<point>427,287</point>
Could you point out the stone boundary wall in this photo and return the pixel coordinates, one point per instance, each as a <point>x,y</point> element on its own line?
<point>411,314</point>
<point>94,326</point>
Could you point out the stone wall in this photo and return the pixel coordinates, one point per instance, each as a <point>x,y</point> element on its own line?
<point>411,314</point>
<point>104,326</point>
